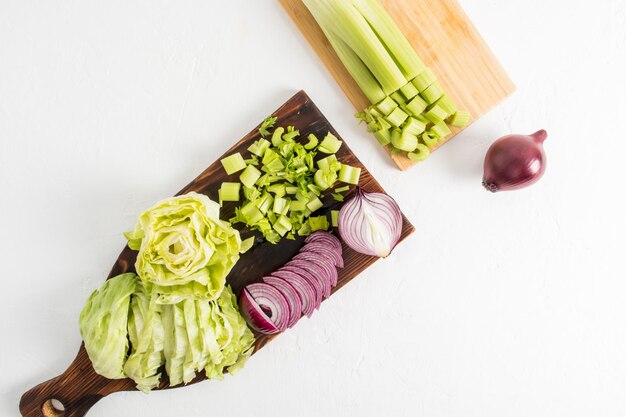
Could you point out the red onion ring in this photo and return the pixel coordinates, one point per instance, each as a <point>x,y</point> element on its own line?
<point>306,291</point>
<point>325,251</point>
<point>271,303</point>
<point>290,294</point>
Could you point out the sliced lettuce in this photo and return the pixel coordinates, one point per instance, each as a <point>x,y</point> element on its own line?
<point>103,325</point>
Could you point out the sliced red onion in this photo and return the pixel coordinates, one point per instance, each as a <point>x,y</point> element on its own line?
<point>290,294</point>
<point>317,283</point>
<point>272,303</point>
<point>325,237</point>
<point>254,315</point>
<point>316,270</point>
<point>329,272</point>
<point>306,291</point>
<point>370,223</point>
<point>324,250</point>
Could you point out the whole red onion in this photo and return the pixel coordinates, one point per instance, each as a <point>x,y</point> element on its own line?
<point>515,161</point>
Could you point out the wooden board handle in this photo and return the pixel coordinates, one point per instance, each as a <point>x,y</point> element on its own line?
<point>70,394</point>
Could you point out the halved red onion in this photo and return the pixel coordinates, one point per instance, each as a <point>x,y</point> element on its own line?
<point>254,315</point>
<point>305,289</point>
<point>272,303</point>
<point>329,272</point>
<point>316,270</point>
<point>317,283</point>
<point>325,237</point>
<point>290,294</point>
<point>323,249</point>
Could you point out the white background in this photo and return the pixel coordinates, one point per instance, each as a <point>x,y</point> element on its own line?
<point>511,304</point>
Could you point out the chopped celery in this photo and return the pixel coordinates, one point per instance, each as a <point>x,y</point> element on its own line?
<point>251,193</point>
<point>383,137</point>
<point>342,189</point>
<point>233,163</point>
<point>229,191</point>
<point>387,105</point>
<point>446,103</point>
<point>424,79</point>
<point>290,189</point>
<point>253,160</point>
<point>264,202</point>
<point>291,135</point>
<point>338,197</point>
<point>297,205</point>
<point>398,98</point>
<point>279,190</point>
<point>413,126</point>
<point>405,142</point>
<point>330,144</point>
<point>397,117</point>
<point>314,204</point>
<point>251,214</point>
<point>432,93</point>
<point>460,119</point>
<point>409,91</point>
<point>328,163</point>
<point>429,140</point>
<point>249,176</point>
<point>277,136</point>
<point>349,174</point>
<point>318,223</point>
<point>334,218</point>
<point>267,124</point>
<point>280,204</point>
<point>436,114</point>
<point>282,225</point>
<point>440,130</point>
<point>421,152</point>
<point>258,147</point>
<point>313,141</point>
<point>247,244</point>
<point>417,105</point>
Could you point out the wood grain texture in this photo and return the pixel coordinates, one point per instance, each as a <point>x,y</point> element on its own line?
<point>443,37</point>
<point>79,387</point>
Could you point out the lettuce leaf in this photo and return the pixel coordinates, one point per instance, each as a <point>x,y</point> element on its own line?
<point>103,325</point>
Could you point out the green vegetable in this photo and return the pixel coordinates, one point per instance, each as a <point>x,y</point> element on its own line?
<point>265,126</point>
<point>185,250</point>
<point>460,119</point>
<point>330,144</point>
<point>334,216</point>
<point>246,244</point>
<point>349,174</point>
<point>250,176</point>
<point>233,163</point>
<point>420,153</point>
<point>405,142</point>
<point>229,191</point>
<point>387,69</point>
<point>258,147</point>
<point>313,141</point>
<point>103,325</point>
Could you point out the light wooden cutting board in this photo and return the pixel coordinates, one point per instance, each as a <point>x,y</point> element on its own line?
<point>444,38</point>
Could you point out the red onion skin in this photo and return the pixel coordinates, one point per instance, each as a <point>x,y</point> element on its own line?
<point>515,161</point>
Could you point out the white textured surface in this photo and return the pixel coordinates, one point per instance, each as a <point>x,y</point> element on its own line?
<point>499,305</point>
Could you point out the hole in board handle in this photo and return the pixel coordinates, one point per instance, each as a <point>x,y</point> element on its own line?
<point>53,408</point>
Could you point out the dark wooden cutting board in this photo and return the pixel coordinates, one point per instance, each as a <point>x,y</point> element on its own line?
<point>79,387</point>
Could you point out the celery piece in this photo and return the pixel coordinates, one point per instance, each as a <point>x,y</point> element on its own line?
<point>233,163</point>
<point>373,112</point>
<point>383,137</point>
<point>446,103</point>
<point>274,166</point>
<point>267,124</point>
<point>421,152</point>
<point>334,218</point>
<point>409,91</point>
<point>253,160</point>
<point>398,98</point>
<point>277,136</point>
<point>318,223</point>
<point>314,190</point>
<point>297,206</point>
<point>338,197</point>
<point>394,40</point>
<point>282,225</point>
<point>229,191</point>
<point>278,189</point>
<point>343,20</point>
<point>424,79</point>
<point>460,119</point>
<point>440,130</point>
<point>269,156</point>
<point>313,141</point>
<point>279,205</point>
<point>330,144</point>
<point>432,93</point>
<point>291,134</point>
<point>246,244</point>
<point>249,176</point>
<point>251,214</point>
<point>406,142</point>
<point>413,126</point>
<point>436,114</point>
<point>429,140</point>
<point>397,117</point>
<point>349,174</point>
<point>395,135</point>
<point>251,193</point>
<point>416,106</point>
<point>314,204</point>
<point>290,189</point>
<point>423,119</point>
<point>342,189</point>
<point>264,202</point>
<point>258,147</point>
<point>329,163</point>
<point>387,105</point>
<point>320,180</point>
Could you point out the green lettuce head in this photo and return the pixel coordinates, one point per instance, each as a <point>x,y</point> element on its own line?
<point>185,250</point>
